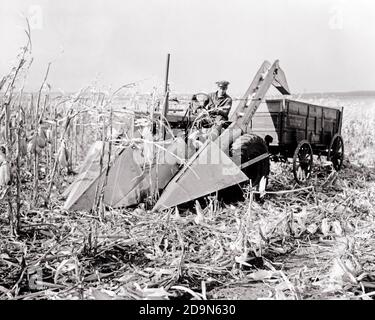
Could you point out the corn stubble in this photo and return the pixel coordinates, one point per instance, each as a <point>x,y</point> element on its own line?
<point>298,243</point>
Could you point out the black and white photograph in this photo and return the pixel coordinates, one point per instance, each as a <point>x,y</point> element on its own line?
<point>197,151</point>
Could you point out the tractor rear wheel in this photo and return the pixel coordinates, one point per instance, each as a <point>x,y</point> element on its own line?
<point>247,147</point>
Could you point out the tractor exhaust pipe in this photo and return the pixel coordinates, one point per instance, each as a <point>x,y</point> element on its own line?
<point>166,98</point>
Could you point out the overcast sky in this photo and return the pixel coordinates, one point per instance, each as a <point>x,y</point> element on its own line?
<point>322,45</point>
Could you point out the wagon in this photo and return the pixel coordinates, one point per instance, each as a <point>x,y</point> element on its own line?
<point>299,130</point>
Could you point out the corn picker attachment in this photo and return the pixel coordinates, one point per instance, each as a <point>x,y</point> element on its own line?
<point>172,171</point>
<point>222,162</point>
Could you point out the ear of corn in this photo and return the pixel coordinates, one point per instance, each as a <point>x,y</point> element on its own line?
<point>4,173</point>
<point>2,135</point>
<point>49,135</point>
<point>41,142</point>
<point>63,156</point>
<point>41,138</point>
<point>33,145</point>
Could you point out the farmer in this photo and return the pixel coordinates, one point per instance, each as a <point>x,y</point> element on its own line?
<point>219,102</point>
<point>214,110</point>
<point>213,113</point>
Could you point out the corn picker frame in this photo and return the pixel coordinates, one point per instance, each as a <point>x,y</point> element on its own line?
<point>228,155</point>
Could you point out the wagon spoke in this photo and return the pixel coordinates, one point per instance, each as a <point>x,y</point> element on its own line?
<point>302,161</point>
<point>336,152</point>
<point>301,174</point>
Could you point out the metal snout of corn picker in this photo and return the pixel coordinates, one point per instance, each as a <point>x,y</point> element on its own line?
<point>192,163</point>
<point>242,154</point>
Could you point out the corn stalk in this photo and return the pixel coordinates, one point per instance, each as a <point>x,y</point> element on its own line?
<point>38,120</point>
<point>14,221</point>
<point>69,117</point>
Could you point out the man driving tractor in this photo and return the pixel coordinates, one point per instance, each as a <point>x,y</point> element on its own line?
<point>218,103</point>
<point>215,106</point>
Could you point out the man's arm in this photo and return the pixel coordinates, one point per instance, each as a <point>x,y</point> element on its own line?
<point>210,101</point>
<point>225,109</point>
<point>207,101</point>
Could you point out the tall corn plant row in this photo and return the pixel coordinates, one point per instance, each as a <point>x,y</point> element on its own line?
<point>39,139</point>
<point>99,192</point>
<point>63,157</point>
<point>6,153</point>
<point>102,137</point>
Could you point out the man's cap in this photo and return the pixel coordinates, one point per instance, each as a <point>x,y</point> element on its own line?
<point>222,84</point>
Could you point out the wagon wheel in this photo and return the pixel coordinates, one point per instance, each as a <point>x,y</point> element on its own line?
<point>336,152</point>
<point>302,161</point>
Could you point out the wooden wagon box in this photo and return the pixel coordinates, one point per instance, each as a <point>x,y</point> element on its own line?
<point>289,121</point>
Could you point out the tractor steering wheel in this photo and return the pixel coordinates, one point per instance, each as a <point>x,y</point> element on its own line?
<point>204,115</point>
<point>197,104</point>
